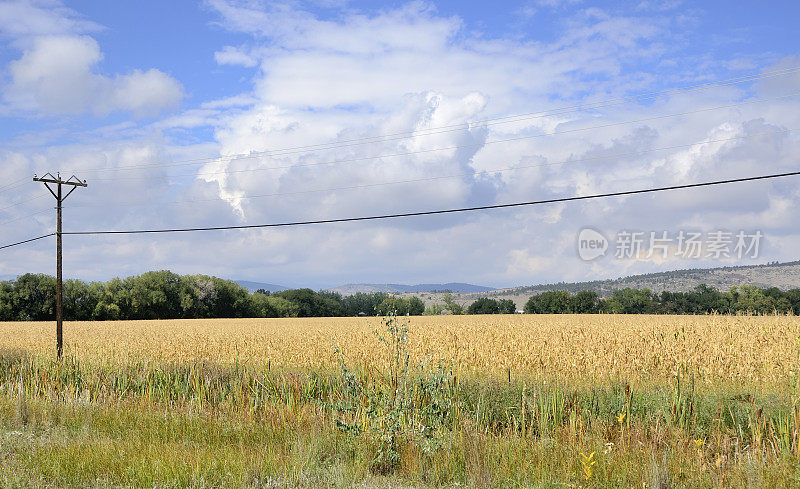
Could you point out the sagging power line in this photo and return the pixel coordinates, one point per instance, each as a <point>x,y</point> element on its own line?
<point>27,241</point>
<point>420,213</point>
<point>445,211</point>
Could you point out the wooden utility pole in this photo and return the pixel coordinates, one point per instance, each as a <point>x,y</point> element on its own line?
<point>74,182</point>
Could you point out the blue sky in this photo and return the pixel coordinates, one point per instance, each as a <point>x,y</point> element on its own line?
<point>99,87</point>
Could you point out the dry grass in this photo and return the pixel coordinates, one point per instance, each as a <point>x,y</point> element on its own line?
<point>753,350</point>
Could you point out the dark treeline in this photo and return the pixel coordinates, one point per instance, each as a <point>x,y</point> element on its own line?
<point>701,300</point>
<point>166,295</point>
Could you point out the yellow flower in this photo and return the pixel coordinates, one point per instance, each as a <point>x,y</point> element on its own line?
<point>621,418</point>
<point>699,442</point>
<point>587,461</point>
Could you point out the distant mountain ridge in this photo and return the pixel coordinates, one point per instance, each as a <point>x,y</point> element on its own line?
<point>456,287</point>
<point>350,289</point>
<point>254,286</point>
<point>780,275</point>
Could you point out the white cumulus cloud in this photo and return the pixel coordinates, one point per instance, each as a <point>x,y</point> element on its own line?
<point>56,75</point>
<point>230,55</point>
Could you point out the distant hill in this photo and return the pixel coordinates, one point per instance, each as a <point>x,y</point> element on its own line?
<point>781,275</point>
<point>455,287</point>
<point>254,286</point>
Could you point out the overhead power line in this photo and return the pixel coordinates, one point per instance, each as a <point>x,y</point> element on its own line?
<point>462,146</point>
<point>442,211</point>
<point>14,184</point>
<point>24,217</point>
<point>11,187</point>
<point>456,127</point>
<point>27,241</point>
<point>415,214</point>
<point>438,177</point>
<point>20,202</point>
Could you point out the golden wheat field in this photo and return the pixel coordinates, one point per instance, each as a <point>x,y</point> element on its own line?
<point>737,348</point>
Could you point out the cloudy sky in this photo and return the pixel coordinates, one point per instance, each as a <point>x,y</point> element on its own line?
<point>225,112</point>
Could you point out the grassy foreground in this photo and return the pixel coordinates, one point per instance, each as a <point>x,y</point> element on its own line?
<point>394,417</point>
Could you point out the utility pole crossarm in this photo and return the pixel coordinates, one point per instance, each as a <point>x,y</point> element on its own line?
<point>49,178</point>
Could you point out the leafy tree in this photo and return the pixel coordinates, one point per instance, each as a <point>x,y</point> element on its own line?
<point>80,300</point>
<point>550,302</point>
<point>484,305</point>
<point>435,310</point>
<point>586,302</point>
<point>777,300</point>
<point>393,305</point>
<point>328,307</point>
<point>116,293</point>
<point>675,303</point>
<point>106,312</point>
<point>707,299</point>
<point>158,295</point>
<point>401,306</point>
<point>233,300</point>
<point>451,305</point>
<point>202,299</point>
<point>361,304</point>
<point>273,307</point>
<point>415,306</point>
<point>6,301</point>
<point>506,306</point>
<point>34,297</point>
<point>330,294</point>
<point>283,308</point>
<point>752,300</point>
<point>792,296</point>
<point>304,299</point>
<point>632,301</point>
<point>311,304</point>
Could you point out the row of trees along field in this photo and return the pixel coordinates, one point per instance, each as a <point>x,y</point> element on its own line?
<point>701,300</point>
<point>166,295</point>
